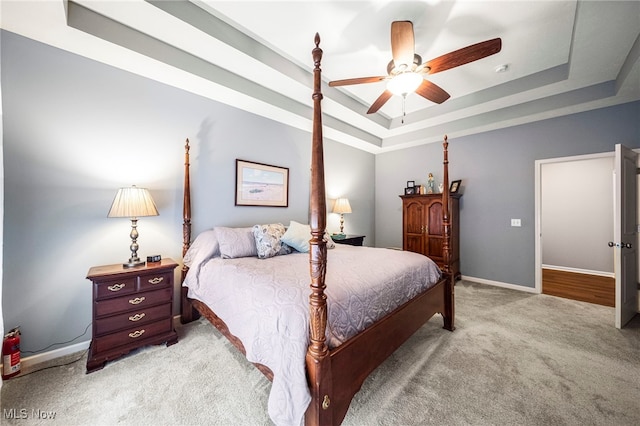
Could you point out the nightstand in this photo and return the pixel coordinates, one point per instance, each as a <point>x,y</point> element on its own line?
<point>352,240</point>
<point>132,307</point>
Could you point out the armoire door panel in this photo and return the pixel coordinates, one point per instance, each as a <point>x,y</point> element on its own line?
<point>434,245</point>
<point>414,243</point>
<point>434,218</point>
<point>414,223</point>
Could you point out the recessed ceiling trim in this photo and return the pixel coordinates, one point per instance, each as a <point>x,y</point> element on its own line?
<point>632,58</point>
<point>511,113</point>
<point>94,23</point>
<point>512,87</point>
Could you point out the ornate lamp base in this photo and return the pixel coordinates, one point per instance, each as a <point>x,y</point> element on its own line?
<point>134,260</point>
<point>132,263</point>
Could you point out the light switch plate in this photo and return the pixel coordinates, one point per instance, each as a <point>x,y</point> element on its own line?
<point>516,222</point>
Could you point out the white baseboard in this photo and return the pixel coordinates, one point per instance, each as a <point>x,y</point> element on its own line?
<point>31,363</point>
<point>500,284</point>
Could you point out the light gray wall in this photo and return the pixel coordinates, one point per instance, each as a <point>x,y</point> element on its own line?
<point>497,172</point>
<point>76,130</point>
<point>577,214</point>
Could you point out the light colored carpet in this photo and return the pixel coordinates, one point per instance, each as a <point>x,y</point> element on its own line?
<point>514,359</point>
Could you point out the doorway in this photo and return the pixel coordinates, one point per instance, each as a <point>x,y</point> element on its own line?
<point>574,222</point>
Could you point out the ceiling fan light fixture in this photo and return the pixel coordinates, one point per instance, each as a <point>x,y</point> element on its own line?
<point>404,83</point>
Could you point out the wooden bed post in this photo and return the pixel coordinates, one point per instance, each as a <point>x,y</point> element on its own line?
<point>186,206</point>
<point>446,243</point>
<point>317,359</point>
<point>187,312</point>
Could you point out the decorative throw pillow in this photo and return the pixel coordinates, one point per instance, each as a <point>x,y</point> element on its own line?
<point>236,242</point>
<point>202,248</point>
<point>268,240</point>
<point>298,236</point>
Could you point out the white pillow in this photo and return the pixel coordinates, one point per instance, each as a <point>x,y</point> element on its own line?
<point>202,248</point>
<point>236,242</point>
<point>298,236</point>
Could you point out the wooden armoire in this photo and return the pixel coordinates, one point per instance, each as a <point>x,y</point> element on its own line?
<point>423,231</point>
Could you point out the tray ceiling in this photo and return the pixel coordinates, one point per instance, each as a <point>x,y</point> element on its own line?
<point>562,57</point>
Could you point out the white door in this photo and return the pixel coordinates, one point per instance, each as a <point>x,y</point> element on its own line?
<point>624,234</point>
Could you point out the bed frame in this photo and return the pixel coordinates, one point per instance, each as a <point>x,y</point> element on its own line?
<point>335,376</point>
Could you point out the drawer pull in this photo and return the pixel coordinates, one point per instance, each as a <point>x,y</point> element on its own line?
<point>136,334</point>
<point>156,280</point>
<point>136,301</point>
<point>137,317</point>
<point>116,287</point>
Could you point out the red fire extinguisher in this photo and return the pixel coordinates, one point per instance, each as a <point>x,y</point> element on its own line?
<point>11,354</point>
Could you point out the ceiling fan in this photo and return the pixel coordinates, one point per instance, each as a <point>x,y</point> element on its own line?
<point>406,69</point>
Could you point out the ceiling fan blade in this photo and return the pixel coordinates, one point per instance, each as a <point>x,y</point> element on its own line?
<point>402,42</point>
<point>382,99</point>
<point>464,55</point>
<point>432,91</point>
<point>358,80</point>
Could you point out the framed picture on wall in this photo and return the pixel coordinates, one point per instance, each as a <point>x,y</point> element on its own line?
<point>260,184</point>
<point>455,186</point>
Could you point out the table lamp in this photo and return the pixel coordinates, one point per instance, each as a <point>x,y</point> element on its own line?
<point>342,206</point>
<point>133,202</point>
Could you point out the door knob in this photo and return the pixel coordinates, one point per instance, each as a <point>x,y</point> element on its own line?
<point>621,245</point>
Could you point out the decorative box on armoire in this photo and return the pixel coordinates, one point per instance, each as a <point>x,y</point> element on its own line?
<point>132,307</point>
<point>423,231</point>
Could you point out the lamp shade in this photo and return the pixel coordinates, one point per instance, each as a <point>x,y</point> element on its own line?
<point>342,206</point>
<point>133,202</point>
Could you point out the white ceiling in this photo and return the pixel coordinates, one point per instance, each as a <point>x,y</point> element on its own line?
<point>563,57</point>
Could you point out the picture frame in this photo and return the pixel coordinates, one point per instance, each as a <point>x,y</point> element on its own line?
<point>410,190</point>
<point>259,184</point>
<point>411,183</point>
<point>455,186</point>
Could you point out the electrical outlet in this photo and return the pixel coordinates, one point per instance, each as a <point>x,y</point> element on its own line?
<point>516,222</point>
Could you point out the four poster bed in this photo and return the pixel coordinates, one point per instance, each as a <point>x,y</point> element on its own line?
<point>364,302</point>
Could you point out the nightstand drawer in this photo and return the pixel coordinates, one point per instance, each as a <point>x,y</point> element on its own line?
<point>113,288</point>
<point>132,335</point>
<point>153,281</point>
<point>133,302</point>
<point>132,319</point>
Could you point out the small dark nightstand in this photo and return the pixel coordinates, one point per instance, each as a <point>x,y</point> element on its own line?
<point>132,307</point>
<point>352,240</point>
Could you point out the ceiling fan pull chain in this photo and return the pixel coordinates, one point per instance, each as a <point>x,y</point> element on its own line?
<point>404,113</point>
